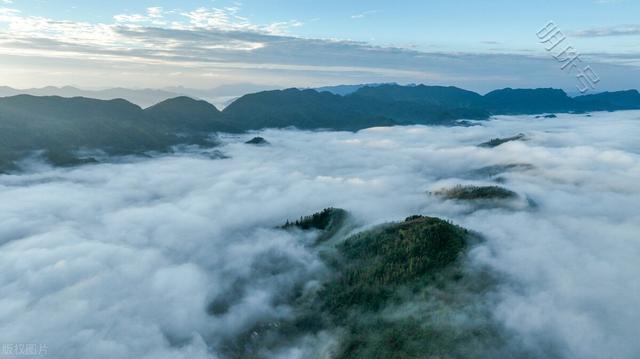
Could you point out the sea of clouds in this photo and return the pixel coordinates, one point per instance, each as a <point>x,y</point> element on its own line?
<point>123,259</point>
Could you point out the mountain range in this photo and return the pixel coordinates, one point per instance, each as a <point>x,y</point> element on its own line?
<point>61,126</point>
<point>219,95</point>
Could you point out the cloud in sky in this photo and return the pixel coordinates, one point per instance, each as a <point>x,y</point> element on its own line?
<point>202,44</point>
<point>608,1</point>
<point>123,259</point>
<point>364,14</point>
<point>621,30</point>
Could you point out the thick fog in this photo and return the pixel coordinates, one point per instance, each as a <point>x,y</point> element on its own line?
<point>178,256</point>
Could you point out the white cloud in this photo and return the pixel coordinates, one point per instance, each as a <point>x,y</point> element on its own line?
<point>362,15</point>
<point>130,18</point>
<point>121,260</point>
<point>228,19</point>
<point>155,12</point>
<point>153,17</point>
<point>620,30</point>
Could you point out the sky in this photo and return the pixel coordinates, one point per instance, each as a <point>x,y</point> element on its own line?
<point>479,45</point>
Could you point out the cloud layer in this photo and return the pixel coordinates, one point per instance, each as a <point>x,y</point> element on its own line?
<point>210,46</point>
<point>123,259</point>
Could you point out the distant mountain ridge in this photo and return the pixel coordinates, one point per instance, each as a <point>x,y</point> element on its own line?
<point>141,97</point>
<point>344,90</point>
<point>60,125</point>
<point>620,100</point>
<point>220,95</point>
<point>536,101</point>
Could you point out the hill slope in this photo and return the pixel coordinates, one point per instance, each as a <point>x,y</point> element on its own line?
<point>399,290</point>
<point>59,126</point>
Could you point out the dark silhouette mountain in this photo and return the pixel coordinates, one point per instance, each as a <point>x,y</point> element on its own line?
<point>304,109</point>
<point>140,97</point>
<point>528,101</point>
<point>144,98</point>
<point>60,126</point>
<point>436,95</point>
<point>186,115</point>
<point>611,101</point>
<point>422,104</point>
<point>369,106</point>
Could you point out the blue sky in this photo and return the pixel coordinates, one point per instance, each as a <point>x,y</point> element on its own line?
<point>294,37</point>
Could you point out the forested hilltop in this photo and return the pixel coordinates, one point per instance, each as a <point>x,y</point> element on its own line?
<point>397,290</point>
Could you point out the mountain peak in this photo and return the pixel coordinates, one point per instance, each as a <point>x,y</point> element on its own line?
<point>185,105</point>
